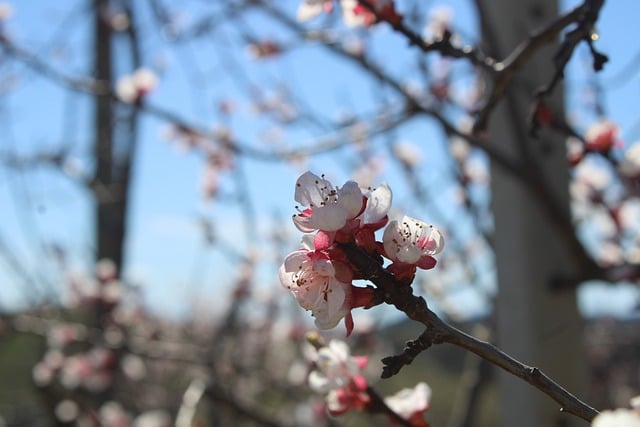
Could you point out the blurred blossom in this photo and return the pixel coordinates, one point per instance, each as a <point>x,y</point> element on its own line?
<point>309,9</point>
<point>106,270</point>
<point>297,373</point>
<point>460,148</point>
<point>335,367</point>
<point>338,374</point>
<point>411,403</point>
<point>6,11</point>
<point>112,414</point>
<point>575,150</point>
<point>617,418</point>
<point>589,178</point>
<point>133,367</point>
<point>66,411</point>
<point>353,45</point>
<point>476,171</point>
<point>113,336</point>
<point>62,334</point>
<point>438,23</point>
<point>633,253</point>
<point>409,154</point>
<point>42,374</point>
<point>630,164</point>
<point>629,214</point>
<point>601,136</point>
<point>156,418</point>
<point>132,87</point>
<point>112,291</point>
<point>602,220</point>
<point>119,21</point>
<point>75,369</point>
<point>609,253</point>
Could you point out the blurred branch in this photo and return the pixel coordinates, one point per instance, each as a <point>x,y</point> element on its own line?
<point>216,394</point>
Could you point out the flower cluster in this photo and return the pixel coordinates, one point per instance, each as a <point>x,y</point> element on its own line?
<point>339,376</point>
<point>131,88</point>
<point>354,13</point>
<point>320,276</point>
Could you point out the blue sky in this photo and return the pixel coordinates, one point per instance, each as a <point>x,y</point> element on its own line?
<point>165,248</point>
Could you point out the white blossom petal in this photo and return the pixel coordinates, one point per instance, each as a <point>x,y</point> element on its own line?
<point>378,204</point>
<point>409,401</point>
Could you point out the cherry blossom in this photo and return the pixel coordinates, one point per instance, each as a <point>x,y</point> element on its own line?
<point>410,155</point>
<point>338,374</point>
<point>311,278</point>
<point>356,14</point>
<point>132,87</point>
<point>630,164</point>
<point>411,403</point>
<point>328,208</point>
<point>601,136</point>
<point>377,206</point>
<point>309,9</point>
<point>411,241</point>
<point>438,23</point>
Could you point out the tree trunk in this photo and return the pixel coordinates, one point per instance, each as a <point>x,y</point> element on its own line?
<point>536,324</point>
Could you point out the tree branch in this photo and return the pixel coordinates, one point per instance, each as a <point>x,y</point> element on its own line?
<point>401,296</point>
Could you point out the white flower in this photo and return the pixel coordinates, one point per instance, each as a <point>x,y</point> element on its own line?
<point>310,276</point>
<point>378,204</point>
<point>309,9</point>
<point>601,135</point>
<point>328,208</point>
<point>630,164</point>
<point>438,22</point>
<point>350,18</point>
<point>410,401</point>
<point>409,154</point>
<point>132,87</point>
<point>335,367</point>
<point>617,418</point>
<point>409,240</point>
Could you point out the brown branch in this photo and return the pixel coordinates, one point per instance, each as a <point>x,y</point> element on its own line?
<point>584,15</point>
<point>502,72</point>
<point>401,296</point>
<point>217,394</point>
<point>443,45</point>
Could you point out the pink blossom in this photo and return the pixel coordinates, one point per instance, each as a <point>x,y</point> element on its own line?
<point>601,136</point>
<point>309,9</point>
<point>438,23</point>
<point>132,87</point>
<point>411,241</point>
<point>328,208</point>
<point>356,14</point>
<point>630,164</point>
<point>338,374</point>
<point>411,403</point>
<point>311,278</point>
